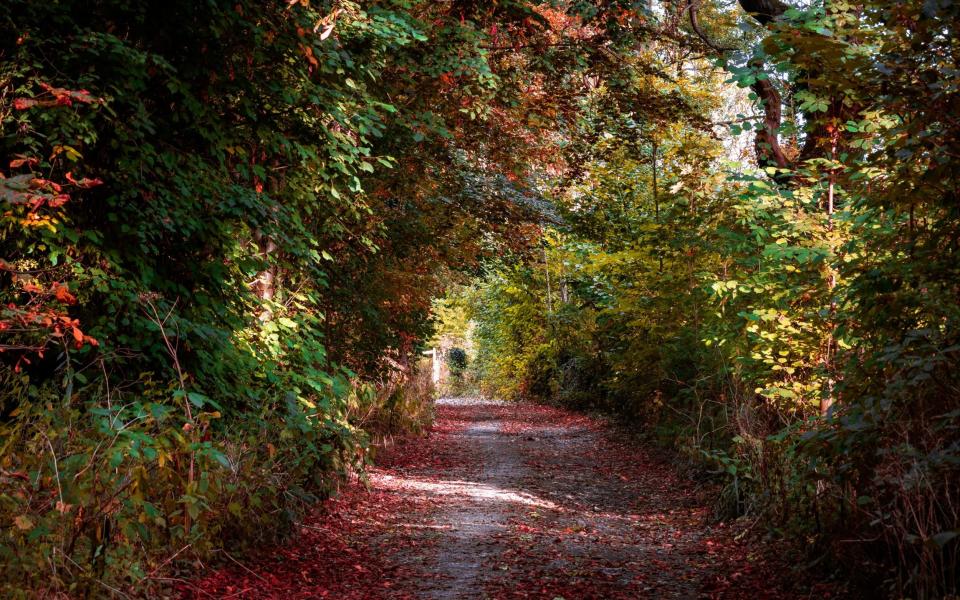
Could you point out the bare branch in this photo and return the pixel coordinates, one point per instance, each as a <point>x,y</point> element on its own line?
<point>695,24</point>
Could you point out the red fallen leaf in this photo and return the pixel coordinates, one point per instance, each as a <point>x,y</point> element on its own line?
<point>78,335</point>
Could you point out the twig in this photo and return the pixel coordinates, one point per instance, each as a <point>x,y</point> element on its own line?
<point>109,587</point>
<point>172,350</point>
<point>56,468</point>
<point>164,563</point>
<point>244,567</point>
<point>192,587</point>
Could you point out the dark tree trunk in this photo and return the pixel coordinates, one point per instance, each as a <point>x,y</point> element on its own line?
<point>769,152</point>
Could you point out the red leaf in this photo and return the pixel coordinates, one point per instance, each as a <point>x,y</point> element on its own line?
<point>24,103</point>
<point>84,96</point>
<point>57,201</point>
<point>45,184</point>
<point>28,161</point>
<point>65,97</point>
<point>85,182</point>
<point>63,295</point>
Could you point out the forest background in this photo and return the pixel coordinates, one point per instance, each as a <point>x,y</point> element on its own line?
<point>225,225</point>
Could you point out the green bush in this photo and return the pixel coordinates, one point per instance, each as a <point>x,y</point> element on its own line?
<point>102,489</point>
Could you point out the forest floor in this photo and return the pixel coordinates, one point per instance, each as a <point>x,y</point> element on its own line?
<point>516,501</point>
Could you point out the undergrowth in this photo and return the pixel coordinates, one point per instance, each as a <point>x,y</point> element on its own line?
<point>116,491</point>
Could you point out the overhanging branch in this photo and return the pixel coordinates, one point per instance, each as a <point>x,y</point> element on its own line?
<point>764,11</point>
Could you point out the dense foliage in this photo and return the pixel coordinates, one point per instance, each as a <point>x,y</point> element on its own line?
<point>224,225</point>
<point>794,325</point>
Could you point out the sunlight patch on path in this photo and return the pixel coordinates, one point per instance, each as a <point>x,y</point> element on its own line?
<point>469,401</point>
<point>465,489</point>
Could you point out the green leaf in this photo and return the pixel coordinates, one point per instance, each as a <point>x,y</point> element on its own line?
<point>197,399</point>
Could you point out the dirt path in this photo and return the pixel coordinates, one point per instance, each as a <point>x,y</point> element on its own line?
<point>512,501</point>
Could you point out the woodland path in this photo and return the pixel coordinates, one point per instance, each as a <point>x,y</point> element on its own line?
<point>513,501</point>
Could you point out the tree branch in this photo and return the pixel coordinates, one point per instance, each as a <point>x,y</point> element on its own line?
<point>764,11</point>
<point>695,24</point>
<point>769,152</point>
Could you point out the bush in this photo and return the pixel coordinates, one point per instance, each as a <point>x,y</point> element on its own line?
<point>103,488</point>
